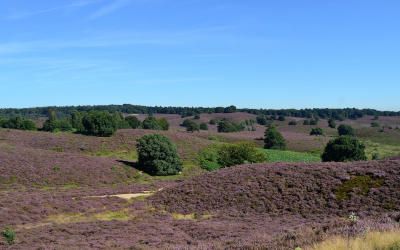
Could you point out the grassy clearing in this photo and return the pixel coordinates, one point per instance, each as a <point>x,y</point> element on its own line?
<point>381,150</point>
<point>290,156</point>
<point>126,155</point>
<point>122,215</point>
<point>372,241</point>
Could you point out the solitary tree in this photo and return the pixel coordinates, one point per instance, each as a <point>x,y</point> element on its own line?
<point>332,123</point>
<point>273,139</point>
<point>158,155</point>
<point>345,130</point>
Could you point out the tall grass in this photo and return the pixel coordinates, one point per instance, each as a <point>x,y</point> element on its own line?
<point>371,241</point>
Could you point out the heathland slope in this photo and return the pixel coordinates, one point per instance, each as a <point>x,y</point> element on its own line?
<point>332,189</point>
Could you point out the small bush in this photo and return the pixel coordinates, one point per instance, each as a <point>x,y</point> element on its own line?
<point>197,117</point>
<point>331,123</point>
<point>314,122</point>
<point>158,155</point>
<point>9,235</point>
<point>203,126</point>
<point>212,122</point>
<point>227,155</point>
<point>317,131</point>
<point>344,148</point>
<point>360,184</point>
<point>281,118</point>
<point>262,120</point>
<point>292,123</point>
<point>273,139</point>
<point>345,130</point>
<point>375,125</point>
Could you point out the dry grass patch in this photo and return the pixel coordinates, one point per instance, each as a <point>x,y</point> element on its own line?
<point>371,241</point>
<point>121,215</point>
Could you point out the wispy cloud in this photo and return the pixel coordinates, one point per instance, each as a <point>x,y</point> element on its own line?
<point>109,8</point>
<point>23,14</point>
<point>120,39</point>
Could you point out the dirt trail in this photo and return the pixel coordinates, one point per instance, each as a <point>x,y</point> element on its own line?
<point>127,196</point>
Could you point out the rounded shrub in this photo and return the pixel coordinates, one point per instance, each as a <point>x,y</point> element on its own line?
<point>292,123</point>
<point>273,139</point>
<point>317,131</point>
<point>344,148</point>
<point>345,130</point>
<point>203,126</point>
<point>158,155</point>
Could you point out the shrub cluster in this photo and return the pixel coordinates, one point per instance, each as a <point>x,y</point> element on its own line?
<point>133,122</point>
<point>18,123</point>
<point>226,126</point>
<point>317,131</point>
<point>155,124</point>
<point>227,155</point>
<point>99,123</point>
<point>56,125</point>
<point>158,155</point>
<point>190,125</point>
<point>344,148</point>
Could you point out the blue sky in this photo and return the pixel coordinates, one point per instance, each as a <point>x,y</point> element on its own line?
<point>251,53</point>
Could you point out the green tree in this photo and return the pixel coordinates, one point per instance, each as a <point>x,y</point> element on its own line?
<point>19,123</point>
<point>230,109</point>
<point>133,122</point>
<point>344,148</point>
<point>345,130</point>
<point>163,123</point>
<point>99,123</point>
<point>76,121</point>
<point>273,139</point>
<point>262,120</point>
<point>158,155</point>
<point>151,123</point>
<point>332,123</point>
<point>191,126</point>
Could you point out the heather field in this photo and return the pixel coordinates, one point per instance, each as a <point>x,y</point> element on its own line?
<point>65,190</point>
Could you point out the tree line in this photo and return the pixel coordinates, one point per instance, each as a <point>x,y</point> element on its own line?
<point>66,111</point>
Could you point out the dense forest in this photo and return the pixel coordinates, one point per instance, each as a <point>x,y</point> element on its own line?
<point>63,112</point>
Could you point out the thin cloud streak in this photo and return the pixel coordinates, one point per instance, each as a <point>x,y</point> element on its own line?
<point>109,8</point>
<point>155,38</point>
<point>27,14</point>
